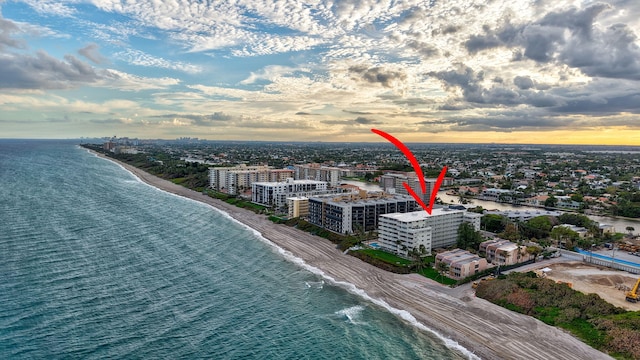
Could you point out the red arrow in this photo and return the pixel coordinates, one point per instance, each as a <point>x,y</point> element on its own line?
<point>416,167</point>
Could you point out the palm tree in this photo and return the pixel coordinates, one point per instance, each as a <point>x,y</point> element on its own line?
<point>442,268</point>
<point>417,255</point>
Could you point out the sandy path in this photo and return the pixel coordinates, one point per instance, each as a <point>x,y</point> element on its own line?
<point>489,331</point>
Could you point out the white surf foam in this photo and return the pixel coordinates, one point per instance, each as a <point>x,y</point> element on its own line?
<point>351,314</point>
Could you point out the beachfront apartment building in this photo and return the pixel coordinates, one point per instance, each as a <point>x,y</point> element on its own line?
<point>275,194</point>
<point>400,234</point>
<point>331,175</point>
<point>238,179</point>
<point>355,212</point>
<point>461,263</point>
<point>442,223</point>
<point>504,252</point>
<point>297,206</point>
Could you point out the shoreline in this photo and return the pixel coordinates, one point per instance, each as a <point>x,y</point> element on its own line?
<point>470,326</point>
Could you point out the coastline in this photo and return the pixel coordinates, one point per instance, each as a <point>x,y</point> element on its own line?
<point>460,319</point>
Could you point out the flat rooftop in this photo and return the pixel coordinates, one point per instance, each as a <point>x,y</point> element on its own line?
<point>421,214</point>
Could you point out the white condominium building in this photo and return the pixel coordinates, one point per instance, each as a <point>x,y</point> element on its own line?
<point>275,194</point>
<point>401,233</point>
<point>237,179</point>
<point>442,224</point>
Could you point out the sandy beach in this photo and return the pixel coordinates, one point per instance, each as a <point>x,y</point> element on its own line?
<point>486,330</point>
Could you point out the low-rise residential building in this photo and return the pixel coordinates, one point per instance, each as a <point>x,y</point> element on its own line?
<point>523,215</point>
<point>355,212</point>
<point>498,195</point>
<point>504,252</point>
<point>443,224</point>
<point>581,231</point>
<point>566,202</point>
<point>461,263</point>
<point>607,229</point>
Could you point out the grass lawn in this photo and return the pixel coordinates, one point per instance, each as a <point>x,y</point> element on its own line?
<point>386,257</point>
<point>433,274</point>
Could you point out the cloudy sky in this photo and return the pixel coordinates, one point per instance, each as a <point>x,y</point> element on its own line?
<point>513,71</point>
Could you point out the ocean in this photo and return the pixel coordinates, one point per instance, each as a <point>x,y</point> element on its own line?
<point>95,264</point>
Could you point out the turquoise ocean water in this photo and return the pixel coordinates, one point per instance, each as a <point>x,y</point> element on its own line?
<point>94,264</point>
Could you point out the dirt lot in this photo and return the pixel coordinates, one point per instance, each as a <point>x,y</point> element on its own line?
<point>598,280</point>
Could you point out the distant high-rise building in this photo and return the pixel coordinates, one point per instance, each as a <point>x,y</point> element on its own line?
<point>331,175</point>
<point>394,183</point>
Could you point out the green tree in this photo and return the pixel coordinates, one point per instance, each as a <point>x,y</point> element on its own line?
<point>443,268</point>
<point>468,237</point>
<point>551,201</point>
<point>493,222</point>
<point>511,232</point>
<point>575,219</point>
<point>418,254</point>
<point>564,234</point>
<point>540,223</point>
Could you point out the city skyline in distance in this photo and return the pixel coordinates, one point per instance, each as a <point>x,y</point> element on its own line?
<point>535,72</point>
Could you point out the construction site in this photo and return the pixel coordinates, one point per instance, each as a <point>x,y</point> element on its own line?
<point>611,285</point>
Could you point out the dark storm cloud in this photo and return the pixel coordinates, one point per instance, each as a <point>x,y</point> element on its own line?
<point>500,94</point>
<point>603,105</point>
<point>356,112</point>
<point>91,52</point>
<point>42,71</point>
<point>569,37</point>
<point>465,78</point>
<point>39,71</point>
<point>478,43</point>
<point>377,74</point>
<point>364,121</point>
<point>451,29</point>
<point>501,122</point>
<point>523,82</point>
<point>615,55</point>
<point>7,27</point>
<point>423,48</point>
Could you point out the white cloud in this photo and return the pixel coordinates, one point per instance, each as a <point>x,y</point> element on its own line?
<point>140,58</point>
<point>51,7</point>
<point>123,81</point>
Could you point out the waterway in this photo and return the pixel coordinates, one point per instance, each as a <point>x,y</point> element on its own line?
<point>620,224</point>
